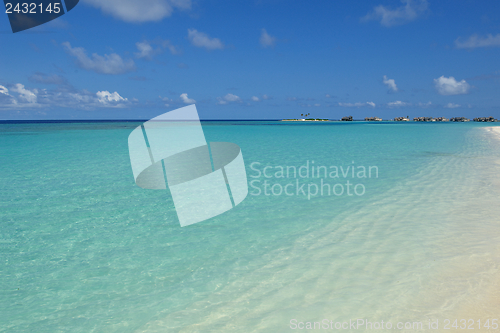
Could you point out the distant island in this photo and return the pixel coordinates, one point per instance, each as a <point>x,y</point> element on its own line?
<point>306,119</point>
<point>407,118</point>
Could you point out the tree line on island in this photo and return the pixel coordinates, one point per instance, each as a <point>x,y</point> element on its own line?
<point>304,115</point>
<point>407,118</point>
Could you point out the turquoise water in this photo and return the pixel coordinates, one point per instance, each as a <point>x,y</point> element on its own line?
<point>83,249</point>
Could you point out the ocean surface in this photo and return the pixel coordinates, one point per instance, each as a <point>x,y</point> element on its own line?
<point>413,238</point>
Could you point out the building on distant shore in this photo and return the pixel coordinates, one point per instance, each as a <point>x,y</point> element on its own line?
<point>485,119</point>
<point>423,119</point>
<point>459,119</point>
<point>308,119</point>
<point>431,119</point>
<point>373,119</point>
<point>349,118</point>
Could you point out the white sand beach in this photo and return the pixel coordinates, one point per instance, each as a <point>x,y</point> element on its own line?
<point>494,130</point>
<point>485,301</point>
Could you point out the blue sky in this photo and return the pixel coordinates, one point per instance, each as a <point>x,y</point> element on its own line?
<point>266,59</point>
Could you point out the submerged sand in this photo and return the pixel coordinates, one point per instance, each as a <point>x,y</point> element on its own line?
<point>456,276</point>
<point>483,301</point>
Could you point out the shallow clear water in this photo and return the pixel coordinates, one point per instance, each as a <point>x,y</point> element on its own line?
<point>83,249</point>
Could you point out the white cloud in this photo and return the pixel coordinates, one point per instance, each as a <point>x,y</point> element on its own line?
<point>401,15</point>
<point>228,98</point>
<point>266,97</point>
<point>476,41</point>
<point>147,51</point>
<point>255,99</point>
<point>328,96</point>
<point>106,97</point>
<point>82,98</point>
<point>4,90</point>
<point>166,100</point>
<point>267,40</point>
<point>200,39</point>
<point>187,100</point>
<point>87,100</point>
<point>170,47</point>
<point>396,104</point>
<point>391,84</point>
<point>109,64</point>
<point>449,86</point>
<point>357,105</point>
<point>64,96</point>
<point>25,94</point>
<point>452,105</point>
<point>317,104</point>
<point>232,98</point>
<point>140,10</point>
<point>425,105</point>
<point>6,100</point>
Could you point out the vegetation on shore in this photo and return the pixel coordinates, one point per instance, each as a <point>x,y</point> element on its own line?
<point>306,119</point>
<point>407,118</point>
<point>303,115</point>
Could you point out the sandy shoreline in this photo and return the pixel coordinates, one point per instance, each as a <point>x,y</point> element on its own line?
<point>468,289</point>
<point>493,130</point>
<point>486,303</point>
